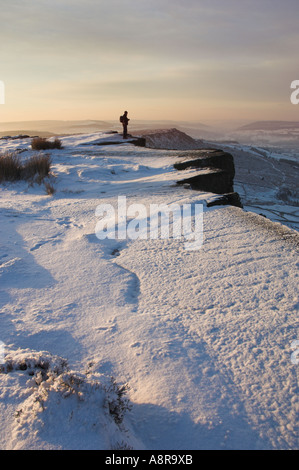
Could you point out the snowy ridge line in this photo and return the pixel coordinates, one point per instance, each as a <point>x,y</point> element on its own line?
<point>280,231</point>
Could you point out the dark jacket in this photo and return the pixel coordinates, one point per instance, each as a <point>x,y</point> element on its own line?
<point>125,119</point>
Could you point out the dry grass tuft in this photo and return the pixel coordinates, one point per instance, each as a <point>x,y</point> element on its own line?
<point>10,167</point>
<point>39,165</point>
<point>40,143</point>
<point>13,169</point>
<point>50,190</point>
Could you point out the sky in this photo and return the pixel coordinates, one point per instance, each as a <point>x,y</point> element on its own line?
<point>191,60</point>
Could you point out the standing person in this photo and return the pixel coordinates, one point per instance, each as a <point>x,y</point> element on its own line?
<point>125,121</point>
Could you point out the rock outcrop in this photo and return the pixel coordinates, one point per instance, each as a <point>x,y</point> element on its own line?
<point>118,140</point>
<point>209,159</point>
<point>231,199</point>
<point>169,139</point>
<point>211,180</point>
<point>216,175</point>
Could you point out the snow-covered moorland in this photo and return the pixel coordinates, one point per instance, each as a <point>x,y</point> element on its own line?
<point>141,343</point>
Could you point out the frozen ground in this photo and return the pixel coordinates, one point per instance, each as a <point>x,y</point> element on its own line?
<point>205,339</point>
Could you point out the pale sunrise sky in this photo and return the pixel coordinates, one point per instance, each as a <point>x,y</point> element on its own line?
<point>159,59</point>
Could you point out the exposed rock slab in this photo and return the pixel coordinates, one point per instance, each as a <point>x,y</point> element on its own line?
<point>232,199</point>
<point>213,181</point>
<point>209,159</point>
<point>216,175</point>
<point>170,139</point>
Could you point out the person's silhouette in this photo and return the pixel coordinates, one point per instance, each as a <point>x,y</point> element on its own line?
<point>125,121</point>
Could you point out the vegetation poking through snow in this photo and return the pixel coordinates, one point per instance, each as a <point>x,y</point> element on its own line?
<point>91,399</point>
<point>12,168</point>
<point>40,143</point>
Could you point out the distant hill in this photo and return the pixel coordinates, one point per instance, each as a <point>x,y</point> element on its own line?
<point>166,124</point>
<point>193,128</point>
<point>31,133</point>
<point>269,126</point>
<point>53,127</point>
<point>47,128</point>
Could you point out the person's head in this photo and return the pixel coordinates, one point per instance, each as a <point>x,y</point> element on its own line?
<point>126,112</point>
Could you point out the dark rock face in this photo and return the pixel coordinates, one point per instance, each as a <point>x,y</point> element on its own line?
<point>212,181</point>
<point>139,142</point>
<point>213,159</point>
<point>216,175</point>
<point>232,199</point>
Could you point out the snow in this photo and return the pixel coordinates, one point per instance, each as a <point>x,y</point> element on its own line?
<point>267,182</point>
<point>202,338</point>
